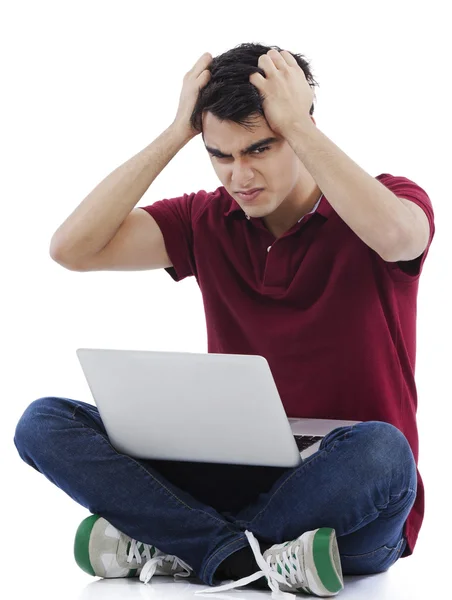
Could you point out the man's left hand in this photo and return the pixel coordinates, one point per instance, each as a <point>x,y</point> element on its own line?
<point>287,96</point>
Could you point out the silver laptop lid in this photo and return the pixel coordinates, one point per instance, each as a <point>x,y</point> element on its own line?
<point>190,406</point>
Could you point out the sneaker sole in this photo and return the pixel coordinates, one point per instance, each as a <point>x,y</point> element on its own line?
<point>81,544</point>
<point>93,565</point>
<point>325,571</point>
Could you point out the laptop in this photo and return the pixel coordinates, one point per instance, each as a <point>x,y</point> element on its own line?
<point>185,406</point>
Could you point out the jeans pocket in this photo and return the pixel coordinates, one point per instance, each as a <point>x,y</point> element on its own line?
<point>377,561</point>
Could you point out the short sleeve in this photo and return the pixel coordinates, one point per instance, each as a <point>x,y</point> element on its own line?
<point>175,218</point>
<point>403,187</point>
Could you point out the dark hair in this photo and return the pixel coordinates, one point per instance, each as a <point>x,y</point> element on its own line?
<point>229,95</point>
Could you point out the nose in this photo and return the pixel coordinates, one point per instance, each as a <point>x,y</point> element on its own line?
<point>241,176</point>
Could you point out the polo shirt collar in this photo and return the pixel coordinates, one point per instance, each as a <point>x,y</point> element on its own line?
<point>322,206</point>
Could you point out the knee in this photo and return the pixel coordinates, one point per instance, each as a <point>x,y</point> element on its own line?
<point>382,444</point>
<point>30,428</point>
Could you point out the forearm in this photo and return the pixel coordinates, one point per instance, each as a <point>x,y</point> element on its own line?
<point>96,220</point>
<point>370,209</point>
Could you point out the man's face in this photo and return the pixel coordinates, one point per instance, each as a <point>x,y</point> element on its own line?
<point>273,166</point>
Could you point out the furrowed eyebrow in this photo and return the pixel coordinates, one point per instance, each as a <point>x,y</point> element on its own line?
<point>255,146</point>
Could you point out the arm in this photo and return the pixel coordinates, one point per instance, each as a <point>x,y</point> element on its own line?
<point>370,209</point>
<point>100,215</point>
<point>395,228</point>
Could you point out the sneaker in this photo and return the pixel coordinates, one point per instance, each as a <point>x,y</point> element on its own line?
<point>309,564</point>
<point>103,551</point>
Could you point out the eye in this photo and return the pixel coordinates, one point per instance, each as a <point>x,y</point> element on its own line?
<point>263,148</point>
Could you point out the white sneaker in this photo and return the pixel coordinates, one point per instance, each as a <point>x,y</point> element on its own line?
<point>103,551</point>
<point>310,564</point>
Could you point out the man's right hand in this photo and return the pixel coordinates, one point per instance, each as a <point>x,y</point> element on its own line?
<point>194,80</point>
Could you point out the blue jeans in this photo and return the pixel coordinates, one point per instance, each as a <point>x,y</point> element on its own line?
<point>361,482</point>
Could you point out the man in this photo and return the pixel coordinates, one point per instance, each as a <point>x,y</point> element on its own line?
<point>301,257</point>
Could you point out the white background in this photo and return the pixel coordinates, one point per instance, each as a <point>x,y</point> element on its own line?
<point>85,86</point>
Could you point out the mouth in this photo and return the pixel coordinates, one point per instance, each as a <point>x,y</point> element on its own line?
<point>250,196</point>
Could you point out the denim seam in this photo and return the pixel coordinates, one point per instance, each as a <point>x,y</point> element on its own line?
<point>170,493</point>
<point>396,548</point>
<point>398,545</point>
<point>356,527</point>
<point>413,492</point>
<point>220,550</point>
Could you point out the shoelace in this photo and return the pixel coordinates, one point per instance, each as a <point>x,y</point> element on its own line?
<point>150,566</point>
<point>135,551</point>
<point>292,575</point>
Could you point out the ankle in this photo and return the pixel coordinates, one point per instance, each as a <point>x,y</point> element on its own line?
<point>240,564</point>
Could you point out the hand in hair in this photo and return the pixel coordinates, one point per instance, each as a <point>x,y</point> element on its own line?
<point>194,80</point>
<point>287,96</point>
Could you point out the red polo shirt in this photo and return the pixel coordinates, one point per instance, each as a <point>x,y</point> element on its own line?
<point>336,323</point>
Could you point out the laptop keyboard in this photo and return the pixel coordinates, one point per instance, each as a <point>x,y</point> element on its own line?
<point>304,441</point>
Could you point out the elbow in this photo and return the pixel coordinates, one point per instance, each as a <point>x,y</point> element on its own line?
<point>58,255</point>
<point>56,251</point>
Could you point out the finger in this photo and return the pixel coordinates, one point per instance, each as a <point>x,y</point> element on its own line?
<point>290,60</point>
<point>201,63</point>
<point>207,56</point>
<point>266,63</point>
<point>276,56</point>
<point>257,80</point>
<point>278,60</point>
<point>205,76</point>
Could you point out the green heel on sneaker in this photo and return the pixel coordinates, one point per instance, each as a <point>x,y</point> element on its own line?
<point>103,551</point>
<point>309,564</point>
